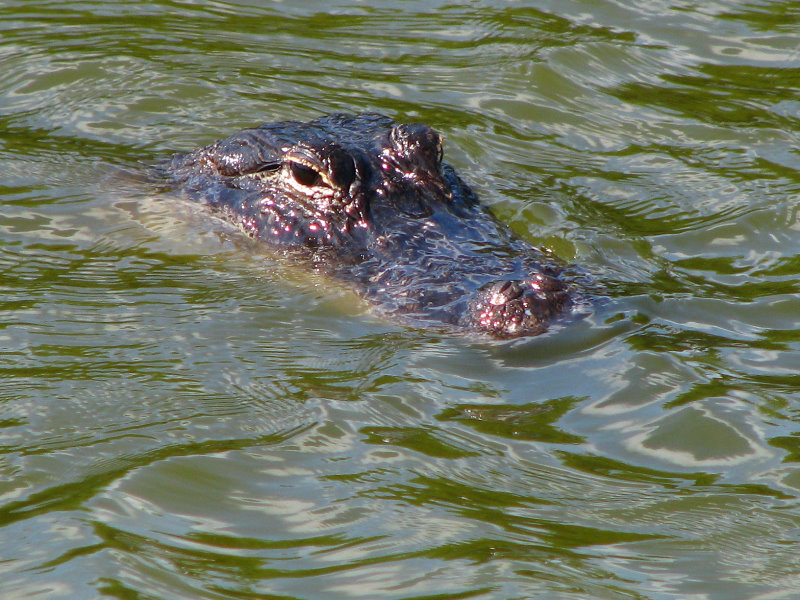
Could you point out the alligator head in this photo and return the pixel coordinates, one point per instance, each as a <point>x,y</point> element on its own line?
<point>370,202</point>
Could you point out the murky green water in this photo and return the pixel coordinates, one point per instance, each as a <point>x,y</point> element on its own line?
<point>182,418</point>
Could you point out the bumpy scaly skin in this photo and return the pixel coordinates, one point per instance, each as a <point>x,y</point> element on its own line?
<point>369,201</point>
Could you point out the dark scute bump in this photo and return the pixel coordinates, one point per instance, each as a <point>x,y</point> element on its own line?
<point>343,167</point>
<point>418,142</point>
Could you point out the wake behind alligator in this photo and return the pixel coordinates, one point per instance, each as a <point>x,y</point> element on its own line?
<point>370,202</point>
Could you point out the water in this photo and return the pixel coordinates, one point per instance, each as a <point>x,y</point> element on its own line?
<point>180,417</point>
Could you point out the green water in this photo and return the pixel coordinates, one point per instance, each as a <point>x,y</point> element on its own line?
<point>180,417</point>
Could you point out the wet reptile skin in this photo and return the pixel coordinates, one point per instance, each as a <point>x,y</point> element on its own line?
<point>369,202</point>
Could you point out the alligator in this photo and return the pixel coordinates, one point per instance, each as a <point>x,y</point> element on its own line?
<point>370,202</point>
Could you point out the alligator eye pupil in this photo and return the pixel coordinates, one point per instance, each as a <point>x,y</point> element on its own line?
<point>304,175</point>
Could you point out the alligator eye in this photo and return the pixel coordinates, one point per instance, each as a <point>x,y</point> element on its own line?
<point>304,175</point>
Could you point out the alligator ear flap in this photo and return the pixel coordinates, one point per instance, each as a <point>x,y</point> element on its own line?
<point>241,154</point>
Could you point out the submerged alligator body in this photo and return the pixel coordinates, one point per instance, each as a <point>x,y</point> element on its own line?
<point>370,202</point>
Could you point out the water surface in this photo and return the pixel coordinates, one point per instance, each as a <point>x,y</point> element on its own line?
<point>183,417</point>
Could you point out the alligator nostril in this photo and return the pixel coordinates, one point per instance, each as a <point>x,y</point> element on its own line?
<point>501,292</point>
<point>497,298</point>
